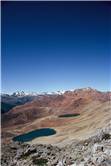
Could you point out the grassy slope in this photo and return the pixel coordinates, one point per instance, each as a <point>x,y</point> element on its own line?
<point>95,115</point>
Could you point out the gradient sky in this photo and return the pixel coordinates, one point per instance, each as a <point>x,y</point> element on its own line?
<point>49,46</point>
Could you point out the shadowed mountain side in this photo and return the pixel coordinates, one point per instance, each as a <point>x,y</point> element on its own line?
<point>10,101</point>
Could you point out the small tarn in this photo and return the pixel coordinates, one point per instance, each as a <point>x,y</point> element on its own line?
<point>69,115</point>
<point>34,134</point>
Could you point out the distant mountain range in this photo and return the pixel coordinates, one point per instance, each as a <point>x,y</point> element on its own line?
<point>22,93</point>
<point>8,101</point>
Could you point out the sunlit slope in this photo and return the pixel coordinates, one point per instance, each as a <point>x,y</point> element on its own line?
<point>94,108</point>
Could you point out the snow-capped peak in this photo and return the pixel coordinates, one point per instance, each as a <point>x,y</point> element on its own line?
<point>85,89</point>
<point>60,92</point>
<point>22,94</point>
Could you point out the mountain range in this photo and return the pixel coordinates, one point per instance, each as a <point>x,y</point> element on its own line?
<point>45,110</point>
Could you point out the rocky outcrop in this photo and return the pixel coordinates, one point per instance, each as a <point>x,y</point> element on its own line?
<point>95,151</point>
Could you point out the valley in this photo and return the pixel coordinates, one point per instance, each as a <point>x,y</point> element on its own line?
<point>69,129</point>
<point>47,111</point>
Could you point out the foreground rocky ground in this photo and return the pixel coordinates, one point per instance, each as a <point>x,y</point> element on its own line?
<point>95,151</point>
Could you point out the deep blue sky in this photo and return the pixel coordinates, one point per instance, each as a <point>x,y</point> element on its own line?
<point>49,46</point>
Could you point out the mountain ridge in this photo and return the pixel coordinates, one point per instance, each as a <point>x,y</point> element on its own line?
<point>23,93</point>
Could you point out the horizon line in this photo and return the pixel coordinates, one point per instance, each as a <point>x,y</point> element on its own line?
<point>49,91</point>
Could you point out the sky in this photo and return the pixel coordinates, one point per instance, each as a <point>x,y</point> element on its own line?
<point>50,46</point>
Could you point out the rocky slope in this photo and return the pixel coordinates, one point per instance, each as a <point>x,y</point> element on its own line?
<point>94,151</point>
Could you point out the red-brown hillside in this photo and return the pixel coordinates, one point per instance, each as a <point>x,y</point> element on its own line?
<point>45,105</point>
